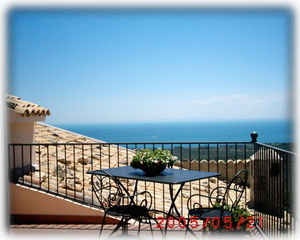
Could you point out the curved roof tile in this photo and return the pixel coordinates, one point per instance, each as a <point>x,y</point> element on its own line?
<point>25,108</point>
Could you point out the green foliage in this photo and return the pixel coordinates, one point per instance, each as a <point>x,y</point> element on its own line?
<point>240,221</point>
<point>240,212</point>
<point>150,159</point>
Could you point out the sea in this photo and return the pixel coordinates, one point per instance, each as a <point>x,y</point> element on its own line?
<point>269,131</point>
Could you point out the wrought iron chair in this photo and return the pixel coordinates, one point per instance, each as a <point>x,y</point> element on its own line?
<point>115,200</point>
<point>219,197</point>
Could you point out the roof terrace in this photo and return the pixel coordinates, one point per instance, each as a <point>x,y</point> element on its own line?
<point>62,159</point>
<point>49,181</point>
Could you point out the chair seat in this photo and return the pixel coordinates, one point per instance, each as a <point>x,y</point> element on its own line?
<point>128,211</point>
<point>204,213</point>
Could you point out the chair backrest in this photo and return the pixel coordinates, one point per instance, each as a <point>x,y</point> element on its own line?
<point>236,188</point>
<point>232,193</point>
<point>107,189</point>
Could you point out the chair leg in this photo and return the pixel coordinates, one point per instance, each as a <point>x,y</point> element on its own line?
<point>103,220</point>
<point>125,226</point>
<point>163,236</point>
<point>139,228</point>
<point>188,229</point>
<point>151,229</point>
<point>120,224</point>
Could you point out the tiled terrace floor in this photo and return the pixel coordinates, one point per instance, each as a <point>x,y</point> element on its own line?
<point>90,231</point>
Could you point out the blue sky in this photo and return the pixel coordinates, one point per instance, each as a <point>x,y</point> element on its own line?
<point>108,65</point>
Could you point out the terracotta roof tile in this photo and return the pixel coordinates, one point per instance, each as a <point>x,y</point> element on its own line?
<point>25,108</point>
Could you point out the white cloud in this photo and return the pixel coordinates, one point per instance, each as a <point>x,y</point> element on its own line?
<point>227,100</point>
<point>238,106</point>
<point>239,99</point>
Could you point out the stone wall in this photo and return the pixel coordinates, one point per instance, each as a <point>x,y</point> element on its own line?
<point>227,169</point>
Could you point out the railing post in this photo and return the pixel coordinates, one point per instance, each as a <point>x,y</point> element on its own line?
<point>254,136</point>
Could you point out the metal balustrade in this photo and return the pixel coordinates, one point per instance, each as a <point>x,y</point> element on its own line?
<point>60,169</point>
<point>272,171</point>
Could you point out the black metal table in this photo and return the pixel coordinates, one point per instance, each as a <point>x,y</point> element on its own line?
<point>169,176</point>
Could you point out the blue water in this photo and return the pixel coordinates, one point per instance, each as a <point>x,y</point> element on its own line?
<point>268,131</point>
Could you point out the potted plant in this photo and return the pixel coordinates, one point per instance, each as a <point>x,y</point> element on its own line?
<point>152,162</point>
<point>240,222</point>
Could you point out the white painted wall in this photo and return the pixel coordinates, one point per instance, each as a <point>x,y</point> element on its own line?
<point>28,201</point>
<point>20,129</point>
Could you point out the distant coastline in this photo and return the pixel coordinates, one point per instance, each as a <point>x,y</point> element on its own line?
<point>273,131</point>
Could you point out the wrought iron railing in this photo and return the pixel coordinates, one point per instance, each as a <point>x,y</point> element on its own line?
<point>61,169</point>
<point>273,180</point>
